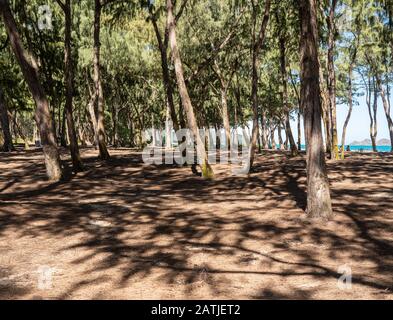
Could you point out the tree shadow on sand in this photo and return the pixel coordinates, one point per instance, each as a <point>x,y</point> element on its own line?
<point>130,223</point>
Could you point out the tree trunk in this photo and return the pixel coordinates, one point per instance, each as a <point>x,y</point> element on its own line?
<point>69,79</point>
<point>332,80</point>
<point>99,95</point>
<point>272,137</point>
<point>8,146</point>
<point>284,78</point>
<point>350,100</point>
<point>257,45</point>
<point>386,107</point>
<point>224,104</point>
<point>280,140</point>
<point>42,113</point>
<point>299,130</point>
<point>372,112</point>
<point>325,112</point>
<point>207,171</point>
<point>318,192</point>
<point>163,46</point>
<point>168,128</point>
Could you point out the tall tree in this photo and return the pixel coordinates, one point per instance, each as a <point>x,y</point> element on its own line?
<point>42,113</point>
<point>318,191</point>
<point>98,91</point>
<point>69,83</point>
<point>257,42</point>
<point>284,78</point>
<point>207,170</point>
<point>163,42</point>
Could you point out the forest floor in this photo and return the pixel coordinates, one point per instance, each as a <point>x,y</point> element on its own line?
<point>127,230</point>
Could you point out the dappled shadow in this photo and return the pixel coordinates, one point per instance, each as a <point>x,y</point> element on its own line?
<point>123,229</point>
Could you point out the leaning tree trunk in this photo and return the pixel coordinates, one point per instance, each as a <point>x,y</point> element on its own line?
<point>8,146</point>
<point>207,171</point>
<point>318,192</point>
<point>69,75</point>
<point>99,95</point>
<point>257,45</point>
<point>42,113</point>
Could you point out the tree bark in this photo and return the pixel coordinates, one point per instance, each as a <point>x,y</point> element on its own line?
<point>69,79</point>
<point>325,112</point>
<point>8,146</point>
<point>386,107</point>
<point>42,113</point>
<point>318,192</point>
<point>99,95</point>
<point>207,171</point>
<point>256,46</point>
<point>163,46</point>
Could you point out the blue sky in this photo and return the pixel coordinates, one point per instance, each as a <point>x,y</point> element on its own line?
<point>359,125</point>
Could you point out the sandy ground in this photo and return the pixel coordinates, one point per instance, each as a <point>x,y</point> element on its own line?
<point>127,230</point>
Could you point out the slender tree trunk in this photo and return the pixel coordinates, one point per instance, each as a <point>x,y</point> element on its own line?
<point>325,112</point>
<point>8,146</point>
<point>99,95</point>
<point>163,46</point>
<point>42,114</point>
<point>350,100</point>
<point>69,79</point>
<point>62,128</point>
<point>386,107</point>
<point>318,192</point>
<point>272,137</point>
<point>168,128</point>
<point>257,45</point>
<point>207,170</point>
<point>299,114</point>
<point>264,130</point>
<point>372,112</point>
<point>224,104</point>
<point>375,110</point>
<point>332,80</point>
<point>284,78</point>
<point>280,140</point>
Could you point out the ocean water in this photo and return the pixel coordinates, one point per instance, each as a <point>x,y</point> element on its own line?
<point>370,148</point>
<point>364,148</point>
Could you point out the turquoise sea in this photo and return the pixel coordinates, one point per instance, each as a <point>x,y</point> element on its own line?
<point>370,148</point>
